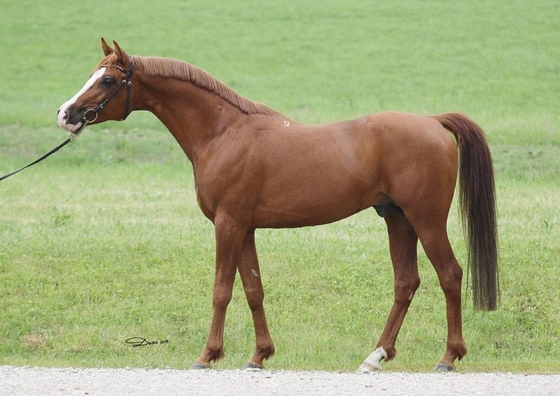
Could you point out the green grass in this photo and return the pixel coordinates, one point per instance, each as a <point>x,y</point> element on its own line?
<point>104,241</point>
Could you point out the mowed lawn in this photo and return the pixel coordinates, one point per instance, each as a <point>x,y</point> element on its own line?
<point>104,241</point>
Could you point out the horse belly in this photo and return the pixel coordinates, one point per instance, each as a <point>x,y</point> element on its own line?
<point>312,199</point>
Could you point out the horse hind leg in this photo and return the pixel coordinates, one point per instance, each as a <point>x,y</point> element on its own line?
<point>434,239</point>
<point>402,244</point>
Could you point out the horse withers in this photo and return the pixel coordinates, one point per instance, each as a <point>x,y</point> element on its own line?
<point>256,168</point>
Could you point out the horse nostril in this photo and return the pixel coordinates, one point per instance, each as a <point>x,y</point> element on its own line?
<point>62,117</point>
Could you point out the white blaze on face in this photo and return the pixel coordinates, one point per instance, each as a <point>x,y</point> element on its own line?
<point>62,116</point>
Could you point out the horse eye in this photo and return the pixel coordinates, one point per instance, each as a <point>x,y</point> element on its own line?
<point>108,81</point>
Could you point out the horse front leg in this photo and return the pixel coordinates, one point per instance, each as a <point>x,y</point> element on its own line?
<point>402,244</point>
<point>252,284</point>
<point>229,241</point>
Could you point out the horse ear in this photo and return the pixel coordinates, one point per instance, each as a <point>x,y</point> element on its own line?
<point>122,56</point>
<point>106,49</point>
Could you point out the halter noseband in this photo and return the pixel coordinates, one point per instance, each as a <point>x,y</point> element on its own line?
<point>91,115</point>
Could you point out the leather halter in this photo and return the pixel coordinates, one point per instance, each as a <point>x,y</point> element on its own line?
<point>91,115</point>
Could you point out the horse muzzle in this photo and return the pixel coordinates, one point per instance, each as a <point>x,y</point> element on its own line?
<point>76,123</point>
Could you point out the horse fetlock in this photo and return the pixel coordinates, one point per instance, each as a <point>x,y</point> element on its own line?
<point>261,353</point>
<point>265,353</point>
<point>210,355</point>
<point>390,352</point>
<point>455,350</point>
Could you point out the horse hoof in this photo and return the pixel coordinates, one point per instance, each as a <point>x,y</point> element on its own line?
<point>444,368</point>
<point>253,367</point>
<point>373,362</point>
<point>368,369</point>
<point>199,366</point>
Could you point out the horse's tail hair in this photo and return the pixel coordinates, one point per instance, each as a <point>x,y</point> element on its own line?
<point>478,207</point>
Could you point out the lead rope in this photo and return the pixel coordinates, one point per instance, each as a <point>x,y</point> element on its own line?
<point>71,138</point>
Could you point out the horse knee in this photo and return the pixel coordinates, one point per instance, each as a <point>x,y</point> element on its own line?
<point>221,299</point>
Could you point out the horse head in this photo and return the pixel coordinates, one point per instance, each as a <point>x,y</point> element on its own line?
<point>102,98</point>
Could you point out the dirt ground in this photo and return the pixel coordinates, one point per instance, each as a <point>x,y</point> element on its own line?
<point>69,381</point>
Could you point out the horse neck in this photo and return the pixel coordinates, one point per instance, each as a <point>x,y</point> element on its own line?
<point>193,115</point>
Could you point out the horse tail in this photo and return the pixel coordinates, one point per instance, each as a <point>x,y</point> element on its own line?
<point>478,207</point>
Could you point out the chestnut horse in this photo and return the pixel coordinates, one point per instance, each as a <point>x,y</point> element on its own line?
<point>256,168</point>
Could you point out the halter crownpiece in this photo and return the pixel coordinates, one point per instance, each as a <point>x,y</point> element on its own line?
<point>91,115</point>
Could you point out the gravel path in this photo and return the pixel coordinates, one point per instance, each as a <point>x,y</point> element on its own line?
<point>54,381</point>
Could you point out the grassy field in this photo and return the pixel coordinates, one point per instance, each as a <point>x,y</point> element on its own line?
<point>104,241</point>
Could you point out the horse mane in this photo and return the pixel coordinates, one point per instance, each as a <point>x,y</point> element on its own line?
<point>172,68</point>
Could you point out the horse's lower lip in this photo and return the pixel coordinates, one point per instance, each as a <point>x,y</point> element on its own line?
<point>74,128</point>
<point>77,128</point>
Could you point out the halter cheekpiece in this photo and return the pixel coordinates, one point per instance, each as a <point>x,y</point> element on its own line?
<point>91,115</point>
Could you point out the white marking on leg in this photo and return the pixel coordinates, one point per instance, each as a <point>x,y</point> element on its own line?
<point>61,119</point>
<point>373,361</point>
